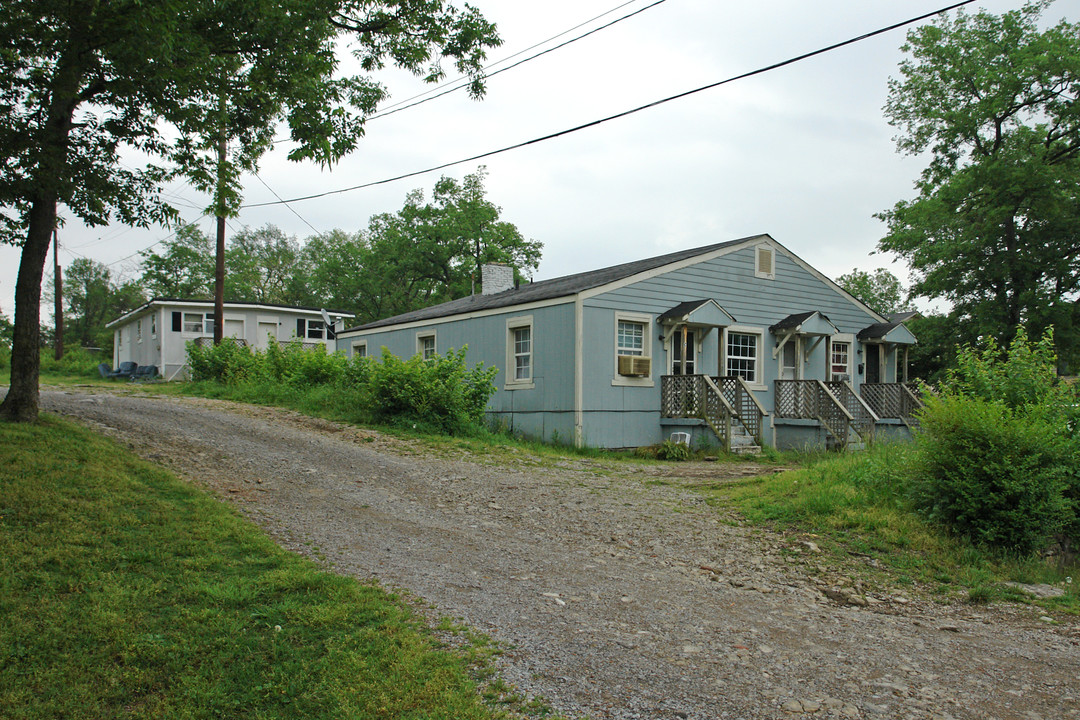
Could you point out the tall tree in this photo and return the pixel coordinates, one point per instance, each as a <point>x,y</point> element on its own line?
<point>264,267</point>
<point>993,99</point>
<point>880,289</point>
<point>430,252</point>
<point>183,268</point>
<point>81,81</point>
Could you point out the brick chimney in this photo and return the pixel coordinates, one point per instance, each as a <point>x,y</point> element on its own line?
<point>495,278</point>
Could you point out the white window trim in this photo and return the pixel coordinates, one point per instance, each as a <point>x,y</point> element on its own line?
<point>420,337</point>
<point>358,344</point>
<point>758,384</point>
<point>848,338</point>
<point>618,380</point>
<point>509,381</point>
<point>758,272</point>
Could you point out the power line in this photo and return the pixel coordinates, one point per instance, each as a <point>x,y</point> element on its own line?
<point>594,123</point>
<point>389,109</point>
<point>291,208</point>
<point>520,62</point>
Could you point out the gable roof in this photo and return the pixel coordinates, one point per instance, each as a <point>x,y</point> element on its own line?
<point>890,332</point>
<point>565,286</point>
<point>812,322</point>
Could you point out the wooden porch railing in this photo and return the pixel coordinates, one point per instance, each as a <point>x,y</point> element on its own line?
<point>697,396</point>
<point>864,418</point>
<point>748,409</point>
<point>813,400</point>
<point>893,400</point>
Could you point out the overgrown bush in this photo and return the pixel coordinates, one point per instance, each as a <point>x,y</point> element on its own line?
<point>76,361</point>
<point>999,451</point>
<point>440,391</point>
<point>227,363</point>
<point>997,475</point>
<point>439,394</point>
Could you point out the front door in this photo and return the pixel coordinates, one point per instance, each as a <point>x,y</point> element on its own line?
<point>873,364</point>
<point>677,365</point>
<point>789,360</point>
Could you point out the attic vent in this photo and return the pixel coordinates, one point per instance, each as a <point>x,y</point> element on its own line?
<point>764,265</point>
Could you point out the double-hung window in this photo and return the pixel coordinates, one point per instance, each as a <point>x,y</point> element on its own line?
<point>840,359</point>
<point>425,345</point>
<point>742,356</point>
<point>519,353</point>
<point>631,338</point>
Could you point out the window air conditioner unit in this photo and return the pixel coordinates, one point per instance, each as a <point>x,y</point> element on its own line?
<point>635,365</point>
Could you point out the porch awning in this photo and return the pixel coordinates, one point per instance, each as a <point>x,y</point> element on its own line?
<point>804,323</point>
<point>702,313</point>
<point>887,333</point>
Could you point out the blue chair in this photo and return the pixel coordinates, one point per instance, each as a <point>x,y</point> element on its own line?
<point>144,373</point>
<point>104,369</point>
<point>126,370</point>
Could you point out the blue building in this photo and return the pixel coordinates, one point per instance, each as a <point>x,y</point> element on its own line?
<point>737,344</point>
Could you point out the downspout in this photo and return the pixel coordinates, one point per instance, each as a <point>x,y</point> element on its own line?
<point>579,369</point>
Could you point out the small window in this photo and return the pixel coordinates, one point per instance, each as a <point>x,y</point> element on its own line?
<point>359,349</point>
<point>764,262</point>
<point>138,330</point>
<point>631,338</point>
<point>153,326</point>
<point>742,355</point>
<point>425,346</point>
<point>177,321</point>
<point>315,329</point>
<point>193,322</point>
<point>840,360</point>
<point>522,354</point>
<point>208,326</point>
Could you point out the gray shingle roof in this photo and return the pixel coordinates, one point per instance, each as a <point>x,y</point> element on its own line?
<point>547,289</point>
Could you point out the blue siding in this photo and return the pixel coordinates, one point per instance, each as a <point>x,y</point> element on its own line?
<point>524,409</point>
<point>617,412</point>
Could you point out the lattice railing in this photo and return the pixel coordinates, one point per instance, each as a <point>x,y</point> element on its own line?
<point>208,341</point>
<point>796,399</point>
<point>863,417</point>
<point>892,400</point>
<point>813,400</point>
<point>697,396</point>
<point>747,408</point>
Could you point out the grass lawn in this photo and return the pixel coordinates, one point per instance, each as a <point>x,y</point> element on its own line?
<point>853,506</point>
<point>128,593</point>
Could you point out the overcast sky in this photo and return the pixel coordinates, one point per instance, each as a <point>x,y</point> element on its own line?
<point>802,153</point>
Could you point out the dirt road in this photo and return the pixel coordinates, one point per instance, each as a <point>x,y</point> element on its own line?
<point>617,596</point>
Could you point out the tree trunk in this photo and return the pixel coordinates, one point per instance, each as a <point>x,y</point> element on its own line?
<point>21,402</point>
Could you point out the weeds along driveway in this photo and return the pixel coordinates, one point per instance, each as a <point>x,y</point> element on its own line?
<point>615,596</point>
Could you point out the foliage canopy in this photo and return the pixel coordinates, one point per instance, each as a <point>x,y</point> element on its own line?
<point>84,81</point>
<point>993,100</point>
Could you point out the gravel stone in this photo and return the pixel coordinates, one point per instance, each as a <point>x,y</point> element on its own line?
<point>615,591</point>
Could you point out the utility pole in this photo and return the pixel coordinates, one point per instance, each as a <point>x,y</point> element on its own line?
<point>58,281</point>
<point>219,268</point>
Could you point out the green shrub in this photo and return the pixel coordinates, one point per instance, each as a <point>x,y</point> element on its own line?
<point>439,392</point>
<point>76,361</point>
<point>671,450</point>
<point>996,475</point>
<point>315,367</point>
<point>227,363</point>
<point>999,451</point>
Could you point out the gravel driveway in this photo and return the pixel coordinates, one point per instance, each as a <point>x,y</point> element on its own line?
<point>617,596</point>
